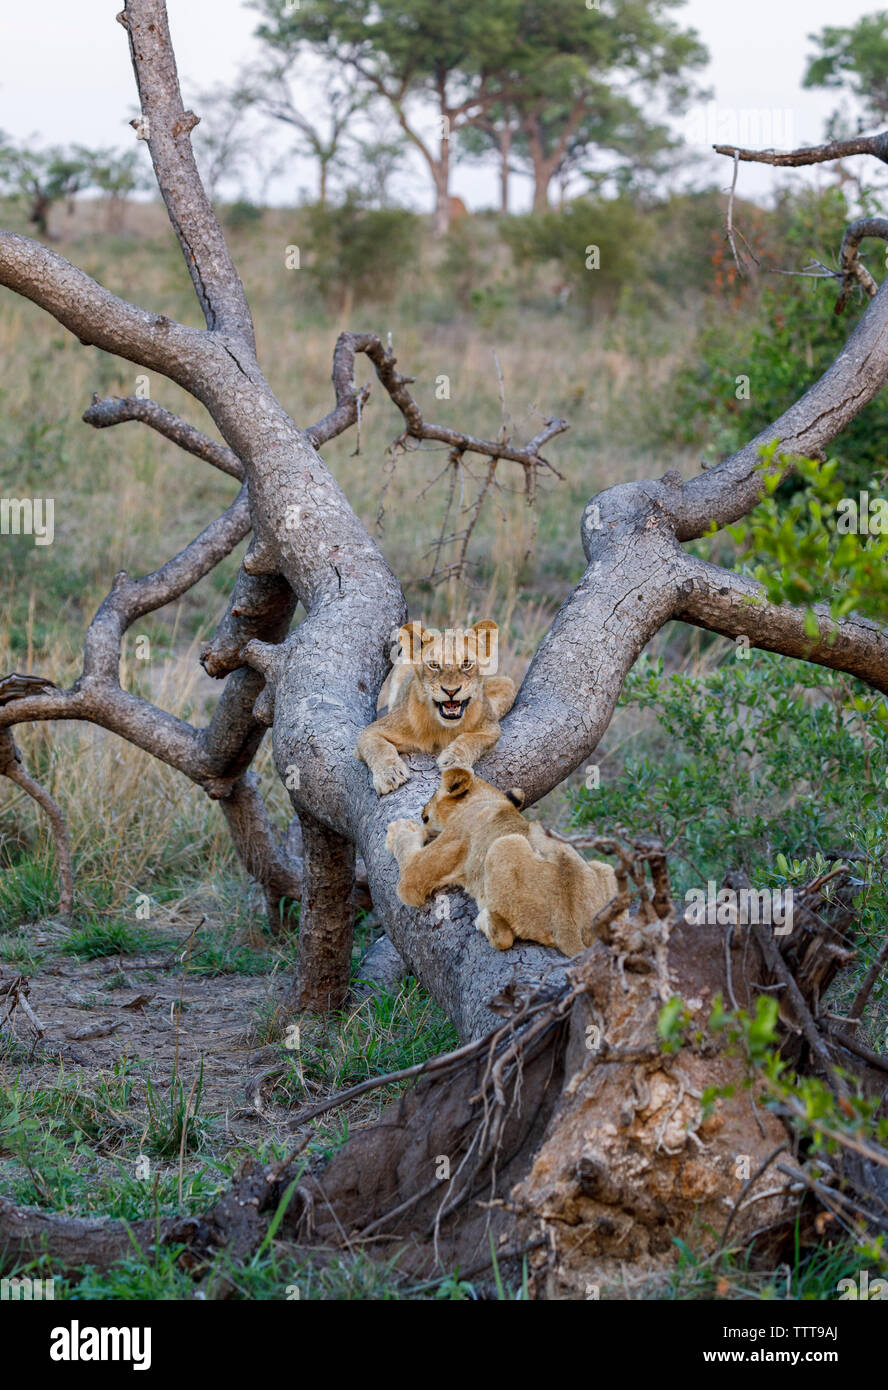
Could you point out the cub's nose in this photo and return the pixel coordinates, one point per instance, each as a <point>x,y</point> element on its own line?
<point>451,693</point>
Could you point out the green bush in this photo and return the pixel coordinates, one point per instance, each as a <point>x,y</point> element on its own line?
<point>762,757</point>
<point>648,251</point>
<point>243,214</point>
<point>616,227</point>
<point>359,253</point>
<point>782,347</point>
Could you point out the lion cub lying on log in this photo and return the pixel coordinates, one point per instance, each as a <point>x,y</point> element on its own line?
<point>440,702</point>
<point>525,883</point>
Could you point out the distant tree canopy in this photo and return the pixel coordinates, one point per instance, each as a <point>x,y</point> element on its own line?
<point>49,176</point>
<point>854,60</point>
<point>541,82</point>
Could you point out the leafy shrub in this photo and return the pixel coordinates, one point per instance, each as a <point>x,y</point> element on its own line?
<point>243,214</point>
<point>783,348</point>
<point>761,757</point>
<point>359,253</point>
<point>616,227</point>
<point>801,550</point>
<point>649,251</point>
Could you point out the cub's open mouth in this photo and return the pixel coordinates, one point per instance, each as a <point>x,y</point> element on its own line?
<point>451,709</point>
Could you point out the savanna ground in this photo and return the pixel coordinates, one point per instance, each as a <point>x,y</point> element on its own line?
<point>162,1002</point>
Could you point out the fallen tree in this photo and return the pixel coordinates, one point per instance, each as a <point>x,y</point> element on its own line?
<point>551,1144</point>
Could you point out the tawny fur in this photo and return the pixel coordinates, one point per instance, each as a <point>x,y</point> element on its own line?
<point>526,883</point>
<point>431,672</point>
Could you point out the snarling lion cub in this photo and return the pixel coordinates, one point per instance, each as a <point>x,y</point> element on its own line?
<point>526,884</point>
<point>440,702</point>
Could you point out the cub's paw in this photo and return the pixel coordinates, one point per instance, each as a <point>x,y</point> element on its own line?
<point>397,828</point>
<point>482,922</point>
<point>453,756</point>
<point>386,779</point>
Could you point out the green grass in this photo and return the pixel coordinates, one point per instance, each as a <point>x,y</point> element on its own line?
<point>97,938</point>
<point>384,1033</point>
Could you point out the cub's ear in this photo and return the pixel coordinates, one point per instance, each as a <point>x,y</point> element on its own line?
<point>516,796</point>
<point>457,781</point>
<point>411,638</point>
<point>486,639</point>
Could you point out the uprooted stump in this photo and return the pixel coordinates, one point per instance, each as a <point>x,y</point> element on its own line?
<point>569,1142</point>
<point>569,1136</point>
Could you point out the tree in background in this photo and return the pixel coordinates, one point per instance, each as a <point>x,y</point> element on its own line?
<point>559,147</point>
<point>550,75</point>
<point>116,175</point>
<point>224,143</point>
<point>494,130</point>
<point>573,77</point>
<point>375,162</point>
<point>399,51</point>
<point>324,135</point>
<point>43,177</point>
<point>854,60</point>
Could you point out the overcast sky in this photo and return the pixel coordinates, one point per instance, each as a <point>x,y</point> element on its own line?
<point>65,75</point>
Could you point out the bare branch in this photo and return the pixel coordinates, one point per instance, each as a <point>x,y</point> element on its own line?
<point>852,270</point>
<point>735,606</point>
<point>253,836</point>
<point>130,599</point>
<point>116,410</point>
<point>167,126</point>
<point>95,315</point>
<point>11,767</point>
<point>396,385</point>
<point>876,145</point>
<point>97,696</point>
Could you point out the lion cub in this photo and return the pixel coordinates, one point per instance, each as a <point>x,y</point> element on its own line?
<point>441,702</point>
<point>525,883</point>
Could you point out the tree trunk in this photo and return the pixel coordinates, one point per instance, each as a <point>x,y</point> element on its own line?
<point>542,167</point>
<point>505,150</point>
<point>39,213</point>
<point>542,177</point>
<point>326,919</point>
<point>441,176</point>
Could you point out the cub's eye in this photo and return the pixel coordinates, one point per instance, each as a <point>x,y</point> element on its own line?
<point>467,666</point>
<point>425,820</point>
<point>433,665</point>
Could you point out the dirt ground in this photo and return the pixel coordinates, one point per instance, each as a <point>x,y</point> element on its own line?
<point>150,1010</point>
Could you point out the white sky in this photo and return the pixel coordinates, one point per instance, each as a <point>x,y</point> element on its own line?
<point>65,76</point>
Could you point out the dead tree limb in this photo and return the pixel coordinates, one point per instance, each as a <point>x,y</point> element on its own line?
<point>876,145</point>
<point>11,767</point>
<point>120,409</point>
